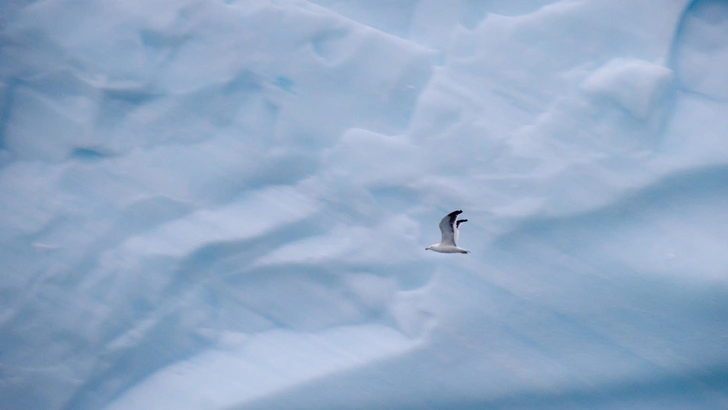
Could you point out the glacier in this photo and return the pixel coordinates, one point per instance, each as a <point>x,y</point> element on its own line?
<point>224,204</point>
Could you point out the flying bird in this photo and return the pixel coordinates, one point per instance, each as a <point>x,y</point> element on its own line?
<point>449,226</point>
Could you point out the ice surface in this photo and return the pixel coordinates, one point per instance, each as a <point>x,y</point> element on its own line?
<point>214,204</point>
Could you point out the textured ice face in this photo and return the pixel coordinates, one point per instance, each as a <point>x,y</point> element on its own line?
<point>208,204</point>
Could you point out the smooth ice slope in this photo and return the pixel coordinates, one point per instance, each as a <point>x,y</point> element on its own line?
<point>224,204</point>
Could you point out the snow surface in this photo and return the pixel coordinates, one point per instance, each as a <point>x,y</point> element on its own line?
<point>212,204</point>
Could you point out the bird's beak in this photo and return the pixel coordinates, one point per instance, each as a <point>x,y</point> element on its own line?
<point>427,249</point>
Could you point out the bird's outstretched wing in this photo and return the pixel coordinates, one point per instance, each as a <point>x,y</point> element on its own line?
<point>456,231</point>
<point>448,228</point>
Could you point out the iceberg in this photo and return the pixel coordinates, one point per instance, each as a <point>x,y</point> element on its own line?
<point>223,204</point>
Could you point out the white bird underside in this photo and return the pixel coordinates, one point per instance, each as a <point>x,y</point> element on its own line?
<point>449,227</point>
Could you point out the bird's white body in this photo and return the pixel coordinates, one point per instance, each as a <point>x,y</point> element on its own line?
<point>446,249</point>
<point>450,228</point>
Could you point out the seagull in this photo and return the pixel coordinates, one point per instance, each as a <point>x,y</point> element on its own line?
<point>449,228</point>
